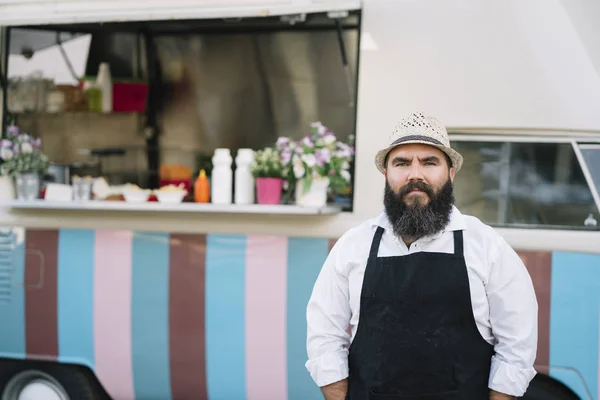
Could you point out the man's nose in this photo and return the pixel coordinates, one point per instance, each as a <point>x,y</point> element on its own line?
<point>415,173</point>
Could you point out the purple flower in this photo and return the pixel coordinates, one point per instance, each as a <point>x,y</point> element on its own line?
<point>37,142</point>
<point>323,156</point>
<point>5,143</point>
<point>307,141</point>
<point>282,142</point>
<point>286,156</point>
<point>13,130</point>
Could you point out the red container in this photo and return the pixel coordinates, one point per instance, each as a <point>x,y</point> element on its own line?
<point>129,97</point>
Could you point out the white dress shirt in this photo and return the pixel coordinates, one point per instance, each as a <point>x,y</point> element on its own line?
<point>504,303</point>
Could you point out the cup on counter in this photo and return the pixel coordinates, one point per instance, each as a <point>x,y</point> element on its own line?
<point>82,188</point>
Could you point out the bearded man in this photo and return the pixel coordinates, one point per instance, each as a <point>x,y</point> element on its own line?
<point>439,306</point>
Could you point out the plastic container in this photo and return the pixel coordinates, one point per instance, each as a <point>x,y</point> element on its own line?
<point>129,96</point>
<point>244,181</point>
<point>202,188</point>
<point>104,82</point>
<point>222,177</point>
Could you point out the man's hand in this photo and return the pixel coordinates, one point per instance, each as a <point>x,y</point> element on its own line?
<point>500,396</point>
<point>336,390</point>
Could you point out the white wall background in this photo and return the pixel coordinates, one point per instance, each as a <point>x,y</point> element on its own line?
<point>471,63</point>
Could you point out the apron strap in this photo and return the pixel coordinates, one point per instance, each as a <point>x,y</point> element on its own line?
<point>458,243</point>
<point>375,243</point>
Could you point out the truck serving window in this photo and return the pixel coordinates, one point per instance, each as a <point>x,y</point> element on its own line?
<point>526,183</point>
<point>182,89</point>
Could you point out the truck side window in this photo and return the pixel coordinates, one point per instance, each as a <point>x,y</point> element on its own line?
<point>524,184</point>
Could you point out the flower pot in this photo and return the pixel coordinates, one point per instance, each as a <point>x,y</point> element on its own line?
<point>28,186</point>
<point>315,196</point>
<point>7,188</point>
<point>268,190</point>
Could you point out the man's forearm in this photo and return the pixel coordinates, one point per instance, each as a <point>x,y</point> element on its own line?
<point>336,391</point>
<point>500,396</point>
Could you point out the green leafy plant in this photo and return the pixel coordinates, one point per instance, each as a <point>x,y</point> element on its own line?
<point>267,164</point>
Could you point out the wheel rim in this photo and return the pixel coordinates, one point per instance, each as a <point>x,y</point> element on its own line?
<point>32,385</point>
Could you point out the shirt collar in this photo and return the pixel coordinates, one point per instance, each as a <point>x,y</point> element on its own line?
<point>456,223</point>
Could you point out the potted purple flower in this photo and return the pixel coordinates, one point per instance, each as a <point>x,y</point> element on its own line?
<point>22,159</point>
<point>316,163</point>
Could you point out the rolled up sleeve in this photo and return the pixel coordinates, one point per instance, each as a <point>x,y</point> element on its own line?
<point>328,317</point>
<point>514,321</point>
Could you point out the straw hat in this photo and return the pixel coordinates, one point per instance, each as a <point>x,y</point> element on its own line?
<point>419,128</point>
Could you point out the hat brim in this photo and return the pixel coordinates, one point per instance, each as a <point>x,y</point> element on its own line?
<point>455,157</point>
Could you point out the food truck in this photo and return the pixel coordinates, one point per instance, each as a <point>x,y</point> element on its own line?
<point>117,281</point>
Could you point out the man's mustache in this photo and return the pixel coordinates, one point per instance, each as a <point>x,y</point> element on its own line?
<point>418,185</point>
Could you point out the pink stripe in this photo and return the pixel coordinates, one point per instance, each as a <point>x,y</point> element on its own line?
<point>112,313</point>
<point>266,275</point>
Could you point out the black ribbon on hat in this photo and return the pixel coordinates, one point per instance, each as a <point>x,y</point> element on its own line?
<point>417,137</point>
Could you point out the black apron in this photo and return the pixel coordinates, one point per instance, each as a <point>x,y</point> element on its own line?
<point>417,338</point>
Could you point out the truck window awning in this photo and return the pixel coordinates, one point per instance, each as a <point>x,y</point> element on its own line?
<point>43,12</point>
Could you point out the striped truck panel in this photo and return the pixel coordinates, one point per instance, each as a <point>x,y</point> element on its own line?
<point>178,316</point>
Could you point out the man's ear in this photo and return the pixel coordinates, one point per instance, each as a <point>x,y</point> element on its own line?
<point>452,172</point>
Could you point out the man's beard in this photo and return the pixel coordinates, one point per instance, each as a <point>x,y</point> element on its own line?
<point>417,220</point>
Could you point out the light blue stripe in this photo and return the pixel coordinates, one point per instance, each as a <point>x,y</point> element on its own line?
<point>574,313</point>
<point>305,259</point>
<point>225,317</point>
<point>150,316</point>
<point>76,296</point>
<point>12,312</point>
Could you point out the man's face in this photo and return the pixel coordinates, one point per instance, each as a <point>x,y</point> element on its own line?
<point>418,172</point>
<point>418,195</point>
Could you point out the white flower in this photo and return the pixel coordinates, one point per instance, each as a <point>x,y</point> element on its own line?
<point>26,148</point>
<point>309,160</point>
<point>6,153</point>
<point>342,153</point>
<point>345,165</point>
<point>298,167</point>
<point>346,175</point>
<point>329,139</point>
<point>299,171</point>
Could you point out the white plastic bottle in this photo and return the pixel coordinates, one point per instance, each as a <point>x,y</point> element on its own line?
<point>221,179</point>
<point>244,181</point>
<point>104,82</point>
